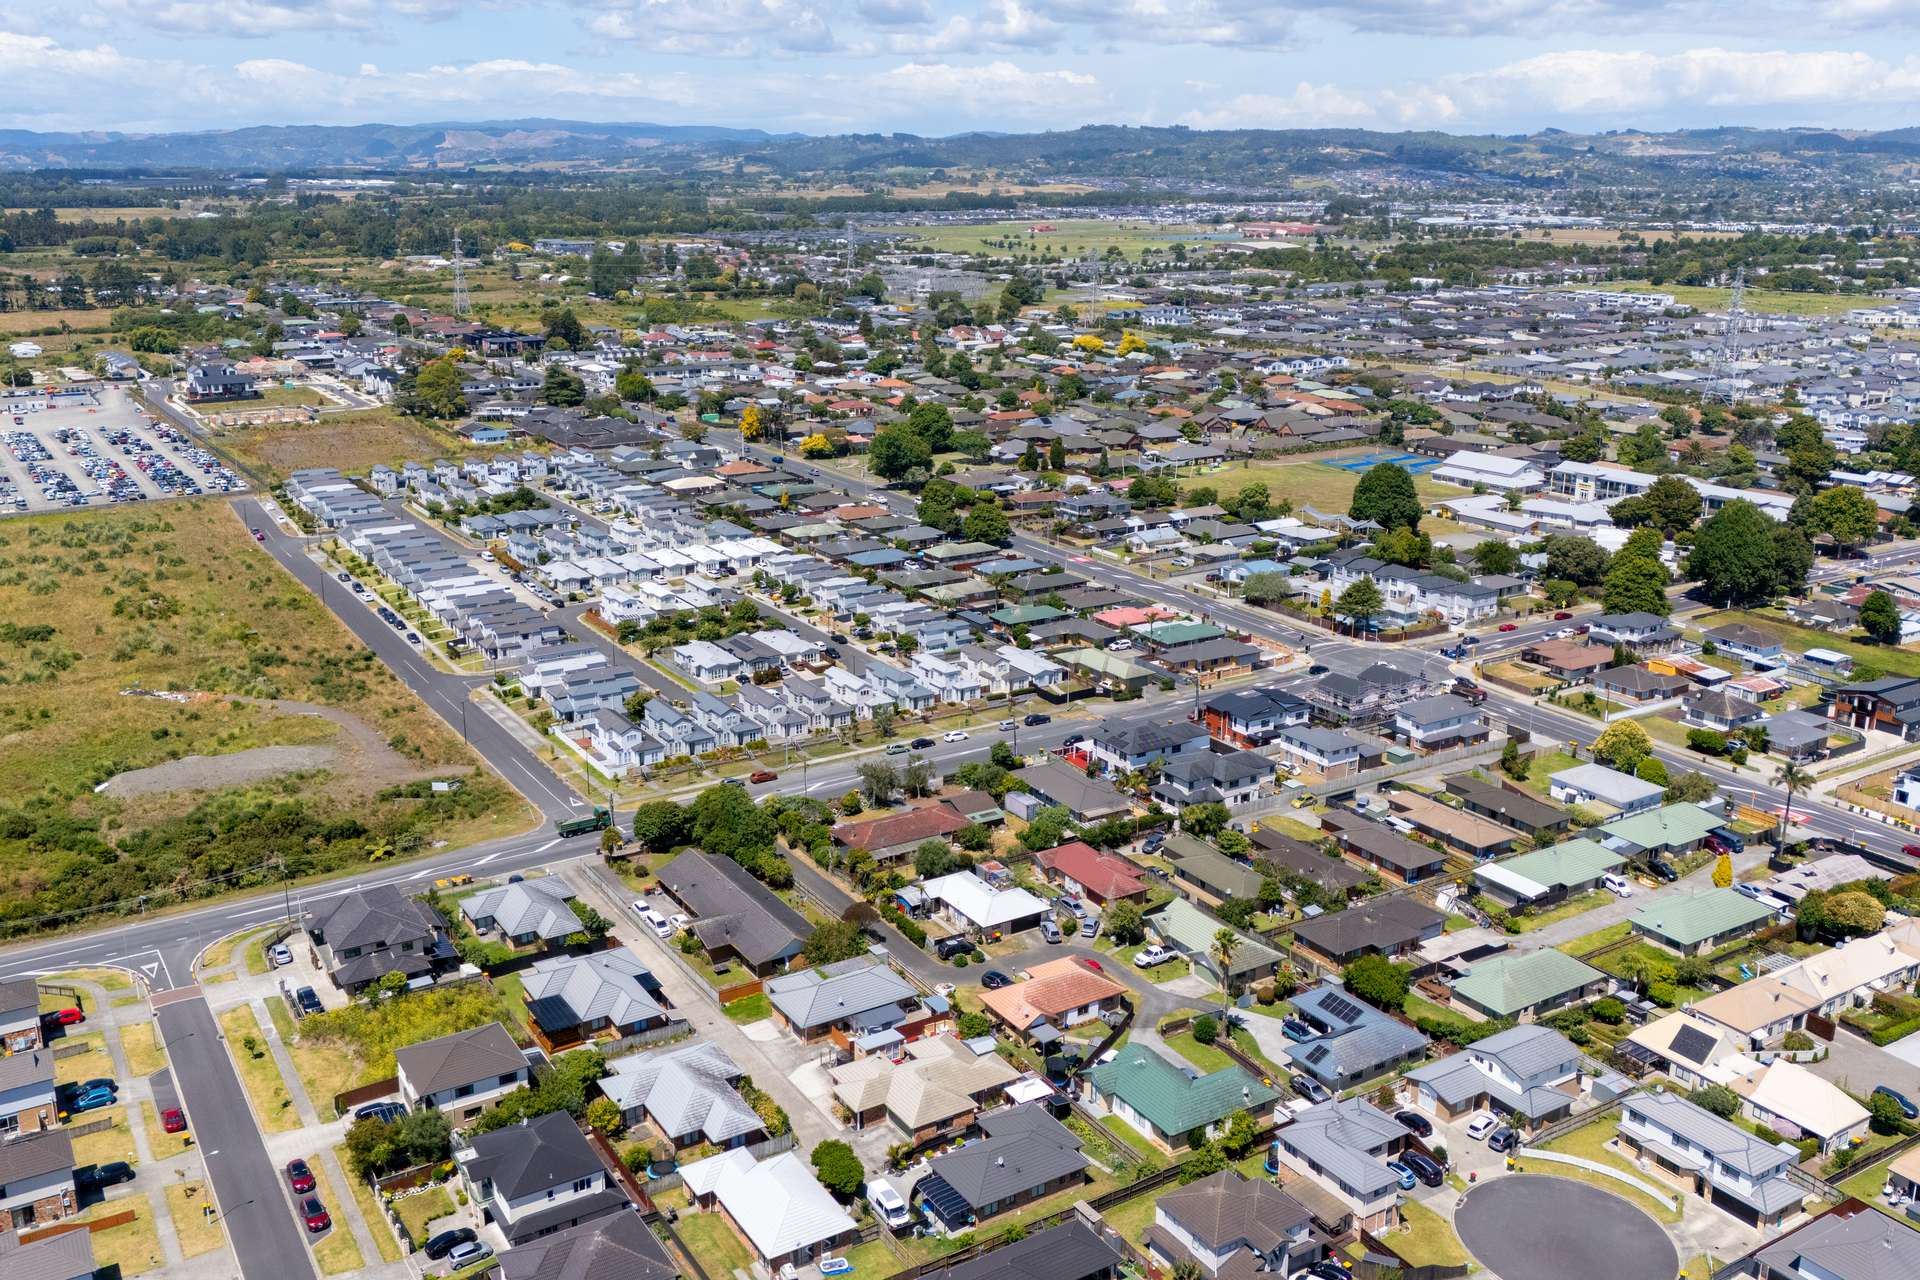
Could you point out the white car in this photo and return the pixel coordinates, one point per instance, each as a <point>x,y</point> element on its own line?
<point>955,735</point>
<point>1481,1125</point>
<point>1619,886</point>
<point>1153,955</point>
<point>680,921</point>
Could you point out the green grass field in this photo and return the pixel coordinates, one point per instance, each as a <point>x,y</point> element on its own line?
<point>1758,301</point>
<point>1071,238</point>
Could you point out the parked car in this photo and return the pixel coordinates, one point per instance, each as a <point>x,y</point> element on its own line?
<point>1901,1100</point>
<point>1049,930</point>
<point>1036,717</point>
<point>1727,840</point>
<point>280,954</point>
<point>1309,1088</point>
<point>1415,1123</point>
<point>1089,927</point>
<point>315,1215</point>
<point>173,1120</point>
<point>954,735</point>
<point>763,775</point>
<point>385,1111</point>
<point>680,921</point>
<point>89,1099</point>
<point>258,536</point>
<point>63,1017</point>
<point>1424,1168</point>
<point>1481,1125</point>
<point>1502,1139</point>
<point>1619,886</point>
<point>658,923</point>
<point>309,1001</point>
<point>299,1176</point>
<point>993,980</point>
<point>95,1176</point>
<point>1150,956</point>
<point>898,748</point>
<point>1407,1179</point>
<point>1328,1269</point>
<point>888,1206</point>
<point>1296,1030</point>
<point>437,1247</point>
<point>948,948</point>
<point>1663,869</point>
<point>465,1255</point>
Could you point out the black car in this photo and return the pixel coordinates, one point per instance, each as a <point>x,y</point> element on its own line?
<point>921,744</point>
<point>1317,669</point>
<point>840,638</point>
<point>1900,1100</point>
<point>993,980</point>
<point>95,1176</point>
<point>441,1245</point>
<point>309,1000</point>
<point>1502,1139</point>
<point>1037,718</point>
<point>1414,1123</point>
<point>948,948</point>
<point>388,1111</point>
<point>1328,1269</point>
<point>1424,1168</point>
<point>1663,869</point>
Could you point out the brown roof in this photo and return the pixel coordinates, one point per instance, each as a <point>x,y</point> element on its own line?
<point>897,829</point>
<point>1107,874</point>
<point>1226,1207</point>
<point>1571,655</point>
<point>1050,990</point>
<point>465,1057</point>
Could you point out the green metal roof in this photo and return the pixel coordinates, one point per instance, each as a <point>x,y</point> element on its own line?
<point>1178,632</point>
<point>1573,862</point>
<point>1504,985</point>
<point>1700,916</point>
<point>1666,828</point>
<point>1026,614</point>
<point>1192,930</point>
<point>1164,1095</point>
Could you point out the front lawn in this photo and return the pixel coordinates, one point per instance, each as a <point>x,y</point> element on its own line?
<point>1598,938</point>
<point>131,1248</point>
<point>108,1144</point>
<point>1798,639</point>
<point>1427,1239</point>
<point>141,1046</point>
<point>371,1211</point>
<point>1167,971</point>
<point>1564,911</point>
<point>750,1009</point>
<point>1590,1142</point>
<point>1543,766</point>
<point>186,1202</point>
<point>416,1211</point>
<point>339,1251</point>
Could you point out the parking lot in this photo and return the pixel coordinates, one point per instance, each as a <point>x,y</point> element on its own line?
<point>98,449</point>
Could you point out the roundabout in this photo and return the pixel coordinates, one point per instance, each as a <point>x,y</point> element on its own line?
<point>1537,1227</point>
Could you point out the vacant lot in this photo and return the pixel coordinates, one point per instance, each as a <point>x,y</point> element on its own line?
<point>1303,483</point>
<point>95,606</point>
<point>1797,639</point>
<point>353,442</point>
<point>1759,301</point>
<point>1070,238</point>
<point>28,321</point>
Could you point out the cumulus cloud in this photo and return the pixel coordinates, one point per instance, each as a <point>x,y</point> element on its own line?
<point>997,88</point>
<point>260,19</point>
<point>718,28</point>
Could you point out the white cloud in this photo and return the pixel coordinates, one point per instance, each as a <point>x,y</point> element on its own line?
<point>1309,106</point>
<point>718,28</point>
<point>261,19</point>
<point>894,13</point>
<point>998,89</point>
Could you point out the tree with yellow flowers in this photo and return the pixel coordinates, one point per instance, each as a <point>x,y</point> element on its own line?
<point>1723,871</point>
<point>751,428</point>
<point>816,446</point>
<point>1090,342</point>
<point>1130,343</point>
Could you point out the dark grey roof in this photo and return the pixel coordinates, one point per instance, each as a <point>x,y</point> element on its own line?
<point>1070,1251</point>
<point>67,1256</point>
<point>1385,924</point>
<point>532,1156</point>
<point>733,909</point>
<point>616,1247</point>
<point>1383,844</point>
<point>466,1057</point>
<point>1026,1148</point>
<point>31,1155</point>
<point>1865,1246</point>
<point>1227,1209</point>
<point>19,993</point>
<point>382,915</point>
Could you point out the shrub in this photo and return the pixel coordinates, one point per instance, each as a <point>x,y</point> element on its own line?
<point>1609,1011</point>
<point>1718,1099</point>
<point>1205,1029</point>
<point>961,961</point>
<point>1662,994</point>
<point>838,1168</point>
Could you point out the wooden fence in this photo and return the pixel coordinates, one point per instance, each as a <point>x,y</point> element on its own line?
<point>379,1089</point>
<point>102,1223</point>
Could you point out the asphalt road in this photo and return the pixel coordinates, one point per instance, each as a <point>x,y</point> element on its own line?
<point>1535,1227</point>
<point>269,1243</point>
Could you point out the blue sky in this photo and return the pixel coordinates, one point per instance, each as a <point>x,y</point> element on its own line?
<point>943,66</point>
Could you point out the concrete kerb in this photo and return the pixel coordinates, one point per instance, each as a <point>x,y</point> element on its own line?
<point>1593,1166</point>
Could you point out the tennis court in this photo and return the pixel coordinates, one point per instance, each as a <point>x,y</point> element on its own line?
<point>1413,462</point>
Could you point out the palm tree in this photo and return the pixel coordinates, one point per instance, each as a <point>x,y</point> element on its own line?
<point>1225,943</point>
<point>1791,778</point>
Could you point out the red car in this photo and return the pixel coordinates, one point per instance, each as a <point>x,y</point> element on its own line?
<point>259,536</point>
<point>315,1214</point>
<point>173,1120</point>
<point>764,775</point>
<point>1911,850</point>
<point>299,1177</point>
<point>1561,616</point>
<point>1090,962</point>
<point>1509,626</point>
<point>65,1017</point>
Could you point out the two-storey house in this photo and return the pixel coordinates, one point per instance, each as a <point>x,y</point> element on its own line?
<point>536,1177</point>
<point>463,1073</point>
<point>1711,1158</point>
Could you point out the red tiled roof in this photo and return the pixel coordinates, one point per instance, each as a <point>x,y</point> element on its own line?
<point>897,829</point>
<point>1107,875</point>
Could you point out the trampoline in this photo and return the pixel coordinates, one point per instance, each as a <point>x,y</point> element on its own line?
<point>1537,1227</point>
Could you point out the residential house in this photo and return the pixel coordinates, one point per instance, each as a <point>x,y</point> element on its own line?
<point>1053,782</point>
<point>1525,986</point>
<point>1314,754</point>
<point>1250,717</point>
<point>19,1015</point>
<point>1071,1251</point>
<point>361,937</point>
<point>1205,874</point>
<point>1638,685</point>
<point>1191,932</point>
<point>1508,805</point>
<point>463,1073</point>
<point>971,905</point>
<point>735,916</point>
<point>1026,1156</point>
<point>1890,704</point>
<point>1687,1047</point>
<point>1343,1148</point>
<point>689,1094</point>
<point>1333,874</point>
<point>1715,1159</point>
<point>615,1247</point>
<point>1547,876</point>
<point>1457,829</point>
<point>1353,1042</point>
<point>1826,984</point>
<point>1168,1105</point>
<point>1127,744</point>
<point>1529,1075</point>
<point>1597,785</point>
<point>535,912</point>
<point>1695,922</point>
<point>851,997</point>
<point>896,836</point>
<point>1055,994</point>
<point>36,1180</point>
<point>1572,661</point>
<point>1232,1226</point>
<point>1094,874</point>
<point>1640,632</point>
<point>1755,648</point>
<point>1795,1103</point>
<point>1848,1242</point>
<point>607,993</point>
<point>1722,710</point>
<point>1439,723</point>
<point>28,1100</point>
<point>777,1204</point>
<point>66,1256</point>
<point>1232,777</point>
<point>535,1178</point>
<point>1383,848</point>
<point>936,1090</point>
<point>1388,926</point>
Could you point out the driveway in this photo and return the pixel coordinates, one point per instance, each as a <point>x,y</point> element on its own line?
<point>1855,1064</point>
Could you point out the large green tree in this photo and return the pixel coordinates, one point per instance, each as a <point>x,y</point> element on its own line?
<point>1576,559</point>
<point>1845,514</point>
<point>1672,505</point>
<point>1360,602</point>
<point>1733,555</point>
<point>437,389</point>
<point>987,523</point>
<point>1636,579</point>
<point>897,450</point>
<point>1386,496</point>
<point>1880,617</point>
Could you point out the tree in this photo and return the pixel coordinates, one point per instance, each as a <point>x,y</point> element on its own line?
<point>1636,579</point>
<point>1885,1115</point>
<point>1855,913</point>
<point>1492,556</point>
<point>1579,560</point>
<point>436,389</point>
<point>1360,602</point>
<point>1845,514</point>
<point>898,449</point>
<point>1386,496</point>
<point>1880,618</point>
<point>1718,1099</point>
<point>1205,1029</point>
<point>1047,829</point>
<point>1672,504</point>
<point>1723,871</point>
<point>1240,1135</point>
<point>985,523</point>
<point>1792,559</point>
<point>1691,788</point>
<point>564,325</point>
<point>752,429</point>
<point>631,384</point>
<point>1001,755</point>
<point>1652,769</point>
<point>1644,448</point>
<point>835,940</point>
<point>879,782</point>
<point>1589,445</point>
<point>934,857</point>
<point>838,1169</point>
<point>1733,555</point>
<point>1262,588</point>
<point>728,825</point>
<point>1124,923</point>
<point>973,1024</point>
<point>1225,943</point>
<point>1792,779</point>
<point>1622,745</point>
<point>604,1114</point>
<point>563,387</point>
<point>662,825</point>
<point>1379,981</point>
<point>1204,820</point>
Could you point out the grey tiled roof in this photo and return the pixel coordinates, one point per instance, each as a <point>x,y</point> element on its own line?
<point>684,1091</point>
<point>616,1247</point>
<point>1027,1148</point>
<point>607,984</point>
<point>534,906</point>
<point>1723,1140</point>
<point>1070,1251</point>
<point>465,1057</point>
<point>1865,1246</point>
<point>532,1156</point>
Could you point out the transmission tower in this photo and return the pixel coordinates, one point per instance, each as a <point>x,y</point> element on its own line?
<point>462,304</point>
<point>1736,311</point>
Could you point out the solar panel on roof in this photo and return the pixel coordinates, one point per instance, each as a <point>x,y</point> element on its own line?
<point>1317,1054</point>
<point>1342,1008</point>
<point>1693,1044</point>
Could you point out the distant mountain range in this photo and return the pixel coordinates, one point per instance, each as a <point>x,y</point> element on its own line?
<point>1159,156</point>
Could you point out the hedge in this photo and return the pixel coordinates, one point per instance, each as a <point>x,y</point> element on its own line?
<point>908,926</point>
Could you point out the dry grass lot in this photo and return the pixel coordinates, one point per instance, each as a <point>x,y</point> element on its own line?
<point>140,1045</point>
<point>1304,483</point>
<point>108,1144</point>
<point>28,321</point>
<point>1759,301</point>
<point>186,1205</point>
<point>339,1251</point>
<point>134,1247</point>
<point>353,442</point>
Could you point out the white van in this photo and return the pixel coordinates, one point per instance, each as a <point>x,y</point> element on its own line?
<point>887,1205</point>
